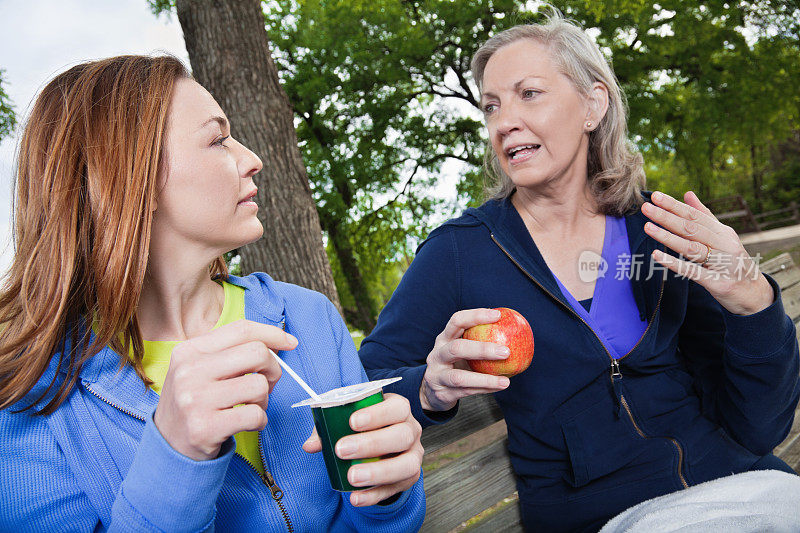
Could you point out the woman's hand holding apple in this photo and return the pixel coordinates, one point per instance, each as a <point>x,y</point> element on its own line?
<point>448,378</point>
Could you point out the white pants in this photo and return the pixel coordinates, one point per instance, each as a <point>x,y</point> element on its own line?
<point>760,501</point>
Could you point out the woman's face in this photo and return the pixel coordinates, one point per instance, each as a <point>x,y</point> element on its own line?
<point>535,116</point>
<point>206,196</point>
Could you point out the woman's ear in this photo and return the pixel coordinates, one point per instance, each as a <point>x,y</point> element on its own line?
<point>598,105</point>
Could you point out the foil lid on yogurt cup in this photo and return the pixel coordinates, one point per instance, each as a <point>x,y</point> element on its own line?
<point>349,394</point>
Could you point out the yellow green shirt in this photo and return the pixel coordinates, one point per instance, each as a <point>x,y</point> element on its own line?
<point>156,363</point>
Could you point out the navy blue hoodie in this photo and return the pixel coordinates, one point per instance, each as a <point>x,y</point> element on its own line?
<point>703,394</point>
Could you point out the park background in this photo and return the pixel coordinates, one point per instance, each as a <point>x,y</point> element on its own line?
<point>373,135</point>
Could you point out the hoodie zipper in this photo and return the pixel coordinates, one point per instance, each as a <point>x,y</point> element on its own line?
<point>277,493</point>
<point>616,374</point>
<point>112,404</point>
<point>267,479</point>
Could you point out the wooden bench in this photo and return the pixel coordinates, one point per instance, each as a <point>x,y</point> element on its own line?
<point>468,475</point>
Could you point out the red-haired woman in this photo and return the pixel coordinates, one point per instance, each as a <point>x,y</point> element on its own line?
<point>129,358</point>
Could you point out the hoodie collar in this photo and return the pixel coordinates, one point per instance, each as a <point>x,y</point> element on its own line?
<point>263,301</point>
<point>509,232</point>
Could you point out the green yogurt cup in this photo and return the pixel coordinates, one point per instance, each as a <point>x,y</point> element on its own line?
<point>332,419</point>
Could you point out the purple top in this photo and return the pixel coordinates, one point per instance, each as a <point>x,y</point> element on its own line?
<point>613,315</point>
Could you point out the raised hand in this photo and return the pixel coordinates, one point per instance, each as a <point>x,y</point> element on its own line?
<point>711,253</point>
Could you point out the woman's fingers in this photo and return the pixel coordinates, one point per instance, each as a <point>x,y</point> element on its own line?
<point>249,357</point>
<point>388,432</point>
<point>394,409</point>
<point>458,349</point>
<point>693,200</point>
<point>217,385</point>
<point>364,498</point>
<point>719,261</point>
<point>250,388</point>
<point>693,250</point>
<point>449,396</point>
<point>385,471</point>
<point>683,210</point>
<point>690,229</point>
<point>687,269</point>
<point>463,320</point>
<point>248,417</point>
<point>444,383</point>
<point>384,428</point>
<point>456,378</point>
<point>240,332</point>
<point>442,390</point>
<point>396,438</point>
<point>313,444</point>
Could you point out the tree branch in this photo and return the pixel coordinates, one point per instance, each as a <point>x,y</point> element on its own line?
<point>367,218</point>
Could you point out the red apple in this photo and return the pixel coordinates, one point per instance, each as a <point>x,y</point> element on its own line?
<point>511,330</point>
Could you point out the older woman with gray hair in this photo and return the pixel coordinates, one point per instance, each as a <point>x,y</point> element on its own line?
<point>664,358</point>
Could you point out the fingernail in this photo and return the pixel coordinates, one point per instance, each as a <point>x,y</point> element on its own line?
<point>355,499</point>
<point>345,448</point>
<point>502,350</point>
<point>504,381</point>
<point>359,420</point>
<point>358,475</point>
<point>494,314</point>
<point>657,196</point>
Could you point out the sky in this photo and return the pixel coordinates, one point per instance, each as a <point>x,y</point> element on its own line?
<point>41,38</point>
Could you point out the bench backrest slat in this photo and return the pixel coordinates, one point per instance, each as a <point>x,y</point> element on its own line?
<point>474,413</point>
<point>779,262</point>
<point>791,301</point>
<point>468,486</point>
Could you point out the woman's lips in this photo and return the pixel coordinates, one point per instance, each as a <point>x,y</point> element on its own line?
<point>523,156</point>
<point>248,202</point>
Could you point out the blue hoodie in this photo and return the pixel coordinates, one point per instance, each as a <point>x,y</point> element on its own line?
<point>703,394</point>
<point>99,463</point>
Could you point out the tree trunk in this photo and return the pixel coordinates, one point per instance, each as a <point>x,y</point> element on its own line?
<point>229,51</point>
<point>757,179</point>
<point>364,315</point>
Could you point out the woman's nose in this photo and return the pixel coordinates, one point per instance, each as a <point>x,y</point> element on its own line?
<point>249,163</point>
<point>507,120</point>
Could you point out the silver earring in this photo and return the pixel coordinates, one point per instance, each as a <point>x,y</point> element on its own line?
<point>589,124</point>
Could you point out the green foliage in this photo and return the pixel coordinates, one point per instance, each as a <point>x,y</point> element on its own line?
<point>161,6</point>
<point>234,262</point>
<point>383,98</point>
<point>8,119</point>
<point>368,81</point>
<point>711,88</point>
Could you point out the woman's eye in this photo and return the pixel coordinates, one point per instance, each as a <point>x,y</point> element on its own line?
<point>529,93</point>
<point>488,108</point>
<point>221,141</point>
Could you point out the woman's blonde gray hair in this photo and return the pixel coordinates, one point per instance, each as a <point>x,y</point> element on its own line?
<point>615,167</point>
